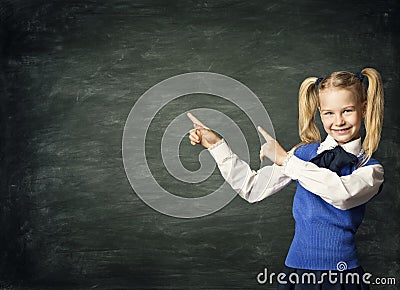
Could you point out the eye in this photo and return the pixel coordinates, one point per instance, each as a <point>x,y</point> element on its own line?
<point>327,113</point>
<point>348,111</point>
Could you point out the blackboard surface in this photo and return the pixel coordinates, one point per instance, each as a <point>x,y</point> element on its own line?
<point>72,70</point>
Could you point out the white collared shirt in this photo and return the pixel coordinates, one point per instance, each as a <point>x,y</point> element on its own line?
<point>343,192</point>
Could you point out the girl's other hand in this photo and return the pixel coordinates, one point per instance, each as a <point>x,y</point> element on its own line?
<point>271,149</point>
<point>201,134</point>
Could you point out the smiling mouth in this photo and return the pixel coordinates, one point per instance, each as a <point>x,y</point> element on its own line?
<point>341,130</point>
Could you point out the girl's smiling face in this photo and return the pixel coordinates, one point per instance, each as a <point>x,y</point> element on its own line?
<point>341,114</point>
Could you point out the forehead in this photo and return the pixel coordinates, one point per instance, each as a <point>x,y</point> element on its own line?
<point>333,98</point>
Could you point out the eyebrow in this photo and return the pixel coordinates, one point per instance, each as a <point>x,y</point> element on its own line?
<point>344,108</point>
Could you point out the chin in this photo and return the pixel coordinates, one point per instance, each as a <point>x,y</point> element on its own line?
<point>343,138</point>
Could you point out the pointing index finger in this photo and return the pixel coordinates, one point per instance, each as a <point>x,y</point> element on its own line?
<point>195,120</point>
<point>266,136</point>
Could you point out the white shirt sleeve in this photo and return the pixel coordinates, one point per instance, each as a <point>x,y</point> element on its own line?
<point>251,185</point>
<point>343,192</point>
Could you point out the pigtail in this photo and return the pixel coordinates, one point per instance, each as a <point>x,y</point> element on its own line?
<point>308,104</point>
<point>374,115</point>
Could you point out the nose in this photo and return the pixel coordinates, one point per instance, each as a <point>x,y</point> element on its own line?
<point>339,121</point>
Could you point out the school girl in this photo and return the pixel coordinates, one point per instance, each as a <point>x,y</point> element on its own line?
<point>335,178</point>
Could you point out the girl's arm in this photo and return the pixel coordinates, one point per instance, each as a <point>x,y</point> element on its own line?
<point>251,185</point>
<point>343,192</point>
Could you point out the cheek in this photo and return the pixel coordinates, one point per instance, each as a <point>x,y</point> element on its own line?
<point>355,119</point>
<point>326,121</point>
<point>358,122</point>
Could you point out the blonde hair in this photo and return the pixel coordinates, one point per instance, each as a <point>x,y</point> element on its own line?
<point>373,95</point>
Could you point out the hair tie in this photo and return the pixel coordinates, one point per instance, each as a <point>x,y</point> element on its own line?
<point>318,81</point>
<point>360,76</point>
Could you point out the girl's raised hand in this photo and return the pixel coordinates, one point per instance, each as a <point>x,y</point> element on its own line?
<point>271,148</point>
<point>201,134</point>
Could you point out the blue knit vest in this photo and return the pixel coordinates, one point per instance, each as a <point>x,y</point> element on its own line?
<point>324,235</point>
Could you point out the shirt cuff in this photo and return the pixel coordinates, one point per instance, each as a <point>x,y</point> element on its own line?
<point>293,166</point>
<point>220,151</point>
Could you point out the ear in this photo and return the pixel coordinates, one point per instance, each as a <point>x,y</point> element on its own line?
<point>364,109</point>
